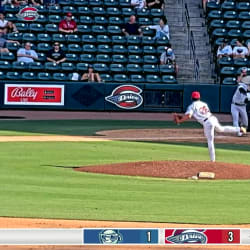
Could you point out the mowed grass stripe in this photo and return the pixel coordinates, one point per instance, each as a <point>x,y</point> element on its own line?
<point>37,181</point>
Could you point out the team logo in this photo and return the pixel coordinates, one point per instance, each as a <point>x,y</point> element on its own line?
<point>110,236</point>
<point>188,236</point>
<point>28,14</point>
<point>126,97</point>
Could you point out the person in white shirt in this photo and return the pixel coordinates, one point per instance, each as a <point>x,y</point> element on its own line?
<point>239,103</point>
<point>6,26</point>
<point>138,4</point>
<point>201,112</point>
<point>240,51</point>
<point>161,29</point>
<point>26,54</point>
<point>224,49</point>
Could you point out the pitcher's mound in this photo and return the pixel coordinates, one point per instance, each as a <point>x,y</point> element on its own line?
<point>172,169</point>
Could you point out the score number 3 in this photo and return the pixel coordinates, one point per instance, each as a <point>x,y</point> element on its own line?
<point>230,236</point>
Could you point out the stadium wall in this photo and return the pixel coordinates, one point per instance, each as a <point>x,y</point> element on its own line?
<point>111,96</point>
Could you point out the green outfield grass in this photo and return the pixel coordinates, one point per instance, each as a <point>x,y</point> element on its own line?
<point>37,180</point>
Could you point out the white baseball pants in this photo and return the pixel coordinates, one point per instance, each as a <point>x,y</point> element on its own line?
<point>239,112</point>
<point>212,124</point>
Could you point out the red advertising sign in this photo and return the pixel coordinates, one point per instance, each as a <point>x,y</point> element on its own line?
<point>24,94</point>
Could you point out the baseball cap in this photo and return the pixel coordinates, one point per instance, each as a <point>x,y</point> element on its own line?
<point>69,14</point>
<point>169,52</point>
<point>246,80</point>
<point>196,95</point>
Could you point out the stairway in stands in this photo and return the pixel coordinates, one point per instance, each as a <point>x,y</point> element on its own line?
<point>179,40</point>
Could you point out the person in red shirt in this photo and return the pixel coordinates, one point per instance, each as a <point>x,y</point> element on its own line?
<point>68,25</point>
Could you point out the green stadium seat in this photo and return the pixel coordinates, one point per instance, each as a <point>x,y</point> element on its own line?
<point>245,25</point>
<point>128,11</point>
<point>153,78</point>
<point>67,66</point>
<point>10,8</point>
<point>74,48</point>
<point>117,68</point>
<point>22,66</point>
<point>59,76</point>
<point>13,75</point>
<point>135,59</point>
<point>95,2</point>
<point>114,30</point>
<point>218,33</point>
<point>99,11</point>
<point>243,6</point>
<point>106,77</point>
<point>136,78</point>
<point>148,40</point>
<point>120,78</point>
<point>84,10</point>
<point>86,20</point>
<point>167,69</point>
<point>148,49</point>
<point>145,12</point>
<point>225,61</point>
<point>232,24</point>
<point>104,48</point>
<point>29,37</point>
<point>119,40</point>
<point>103,58</point>
<point>244,16</point>
<point>234,33</point>
<point>212,6</point>
<point>150,68</point>
<point>88,58</point>
<point>44,76</point>
<point>229,81</point>
<point>148,32</point>
<point>114,20</point>
<point>81,2</point>
<point>51,28</point>
<point>150,59</point>
<point>67,9</point>
<point>41,57</point>
<point>240,62</point>
<point>246,34</point>
<point>56,19</point>
<point>100,20</point>
<point>144,21</point>
<point>35,66</point>
<point>43,47</point>
<point>54,9</point>
<point>44,37</point>
<point>42,9</point>
<point>51,66</point>
<point>30,76</point>
<point>125,3</point>
<point>2,75</point>
<point>227,71</point>
<point>98,29</point>
<point>228,5</point>
<point>103,39</point>
<point>65,2</point>
<point>42,19</point>
<point>100,67</point>
<point>156,13</point>
<point>111,3</point>
<point>11,17</point>
<point>12,47</point>
<point>14,36</point>
<point>58,38</point>
<point>71,57</point>
<point>134,49</point>
<point>89,39</point>
<point>156,20</point>
<point>89,48</point>
<point>168,79</point>
<point>8,56</point>
<point>133,68</point>
<point>136,40</point>
<point>82,67</point>
<point>119,58</point>
<point>162,41</point>
<point>73,38</point>
<point>83,29</point>
<point>229,15</point>
<point>5,65</point>
<point>214,14</point>
<point>119,49</point>
<point>36,27</point>
<point>113,11</point>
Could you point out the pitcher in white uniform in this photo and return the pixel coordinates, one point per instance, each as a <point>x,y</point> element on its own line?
<point>239,103</point>
<point>201,112</point>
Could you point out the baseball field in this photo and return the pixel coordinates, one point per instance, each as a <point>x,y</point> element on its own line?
<point>39,156</point>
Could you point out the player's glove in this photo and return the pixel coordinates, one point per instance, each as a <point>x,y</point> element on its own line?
<point>177,118</point>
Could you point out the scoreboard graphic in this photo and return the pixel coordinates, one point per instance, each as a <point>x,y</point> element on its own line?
<point>126,236</point>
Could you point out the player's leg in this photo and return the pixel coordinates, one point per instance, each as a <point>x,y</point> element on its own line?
<point>225,129</point>
<point>235,115</point>
<point>243,115</point>
<point>209,133</point>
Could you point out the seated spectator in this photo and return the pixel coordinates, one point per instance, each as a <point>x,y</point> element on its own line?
<point>6,26</point>
<point>18,3</point>
<point>6,2</point>
<point>56,54</point>
<point>168,57</point>
<point>155,4</point>
<point>91,76</point>
<point>35,2</point>
<point>224,49</point>
<point>132,27</point>
<point>240,51</point>
<point>4,41</point>
<point>68,25</point>
<point>26,54</point>
<point>138,4</point>
<point>161,29</point>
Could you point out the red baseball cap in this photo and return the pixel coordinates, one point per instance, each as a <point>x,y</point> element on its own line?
<point>196,95</point>
<point>69,14</point>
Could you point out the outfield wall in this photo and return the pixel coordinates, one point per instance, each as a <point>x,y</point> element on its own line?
<point>111,96</point>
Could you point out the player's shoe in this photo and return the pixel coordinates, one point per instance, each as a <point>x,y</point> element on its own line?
<point>239,134</point>
<point>243,130</point>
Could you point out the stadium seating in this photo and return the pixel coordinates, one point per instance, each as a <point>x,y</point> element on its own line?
<point>99,41</point>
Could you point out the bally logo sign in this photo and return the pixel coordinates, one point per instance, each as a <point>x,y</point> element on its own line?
<point>28,14</point>
<point>126,97</point>
<point>15,94</point>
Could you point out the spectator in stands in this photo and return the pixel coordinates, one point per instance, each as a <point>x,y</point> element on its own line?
<point>18,3</point>
<point>155,4</point>
<point>242,74</point>
<point>138,4</point>
<point>6,26</point>
<point>68,25</point>
<point>26,54</point>
<point>161,29</point>
<point>5,2</point>
<point>132,27</point>
<point>56,54</point>
<point>225,49</point>
<point>168,57</point>
<point>4,41</point>
<point>35,2</point>
<point>91,76</point>
<point>240,51</point>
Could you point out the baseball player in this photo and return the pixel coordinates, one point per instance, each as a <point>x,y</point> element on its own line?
<point>239,103</point>
<point>200,111</point>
